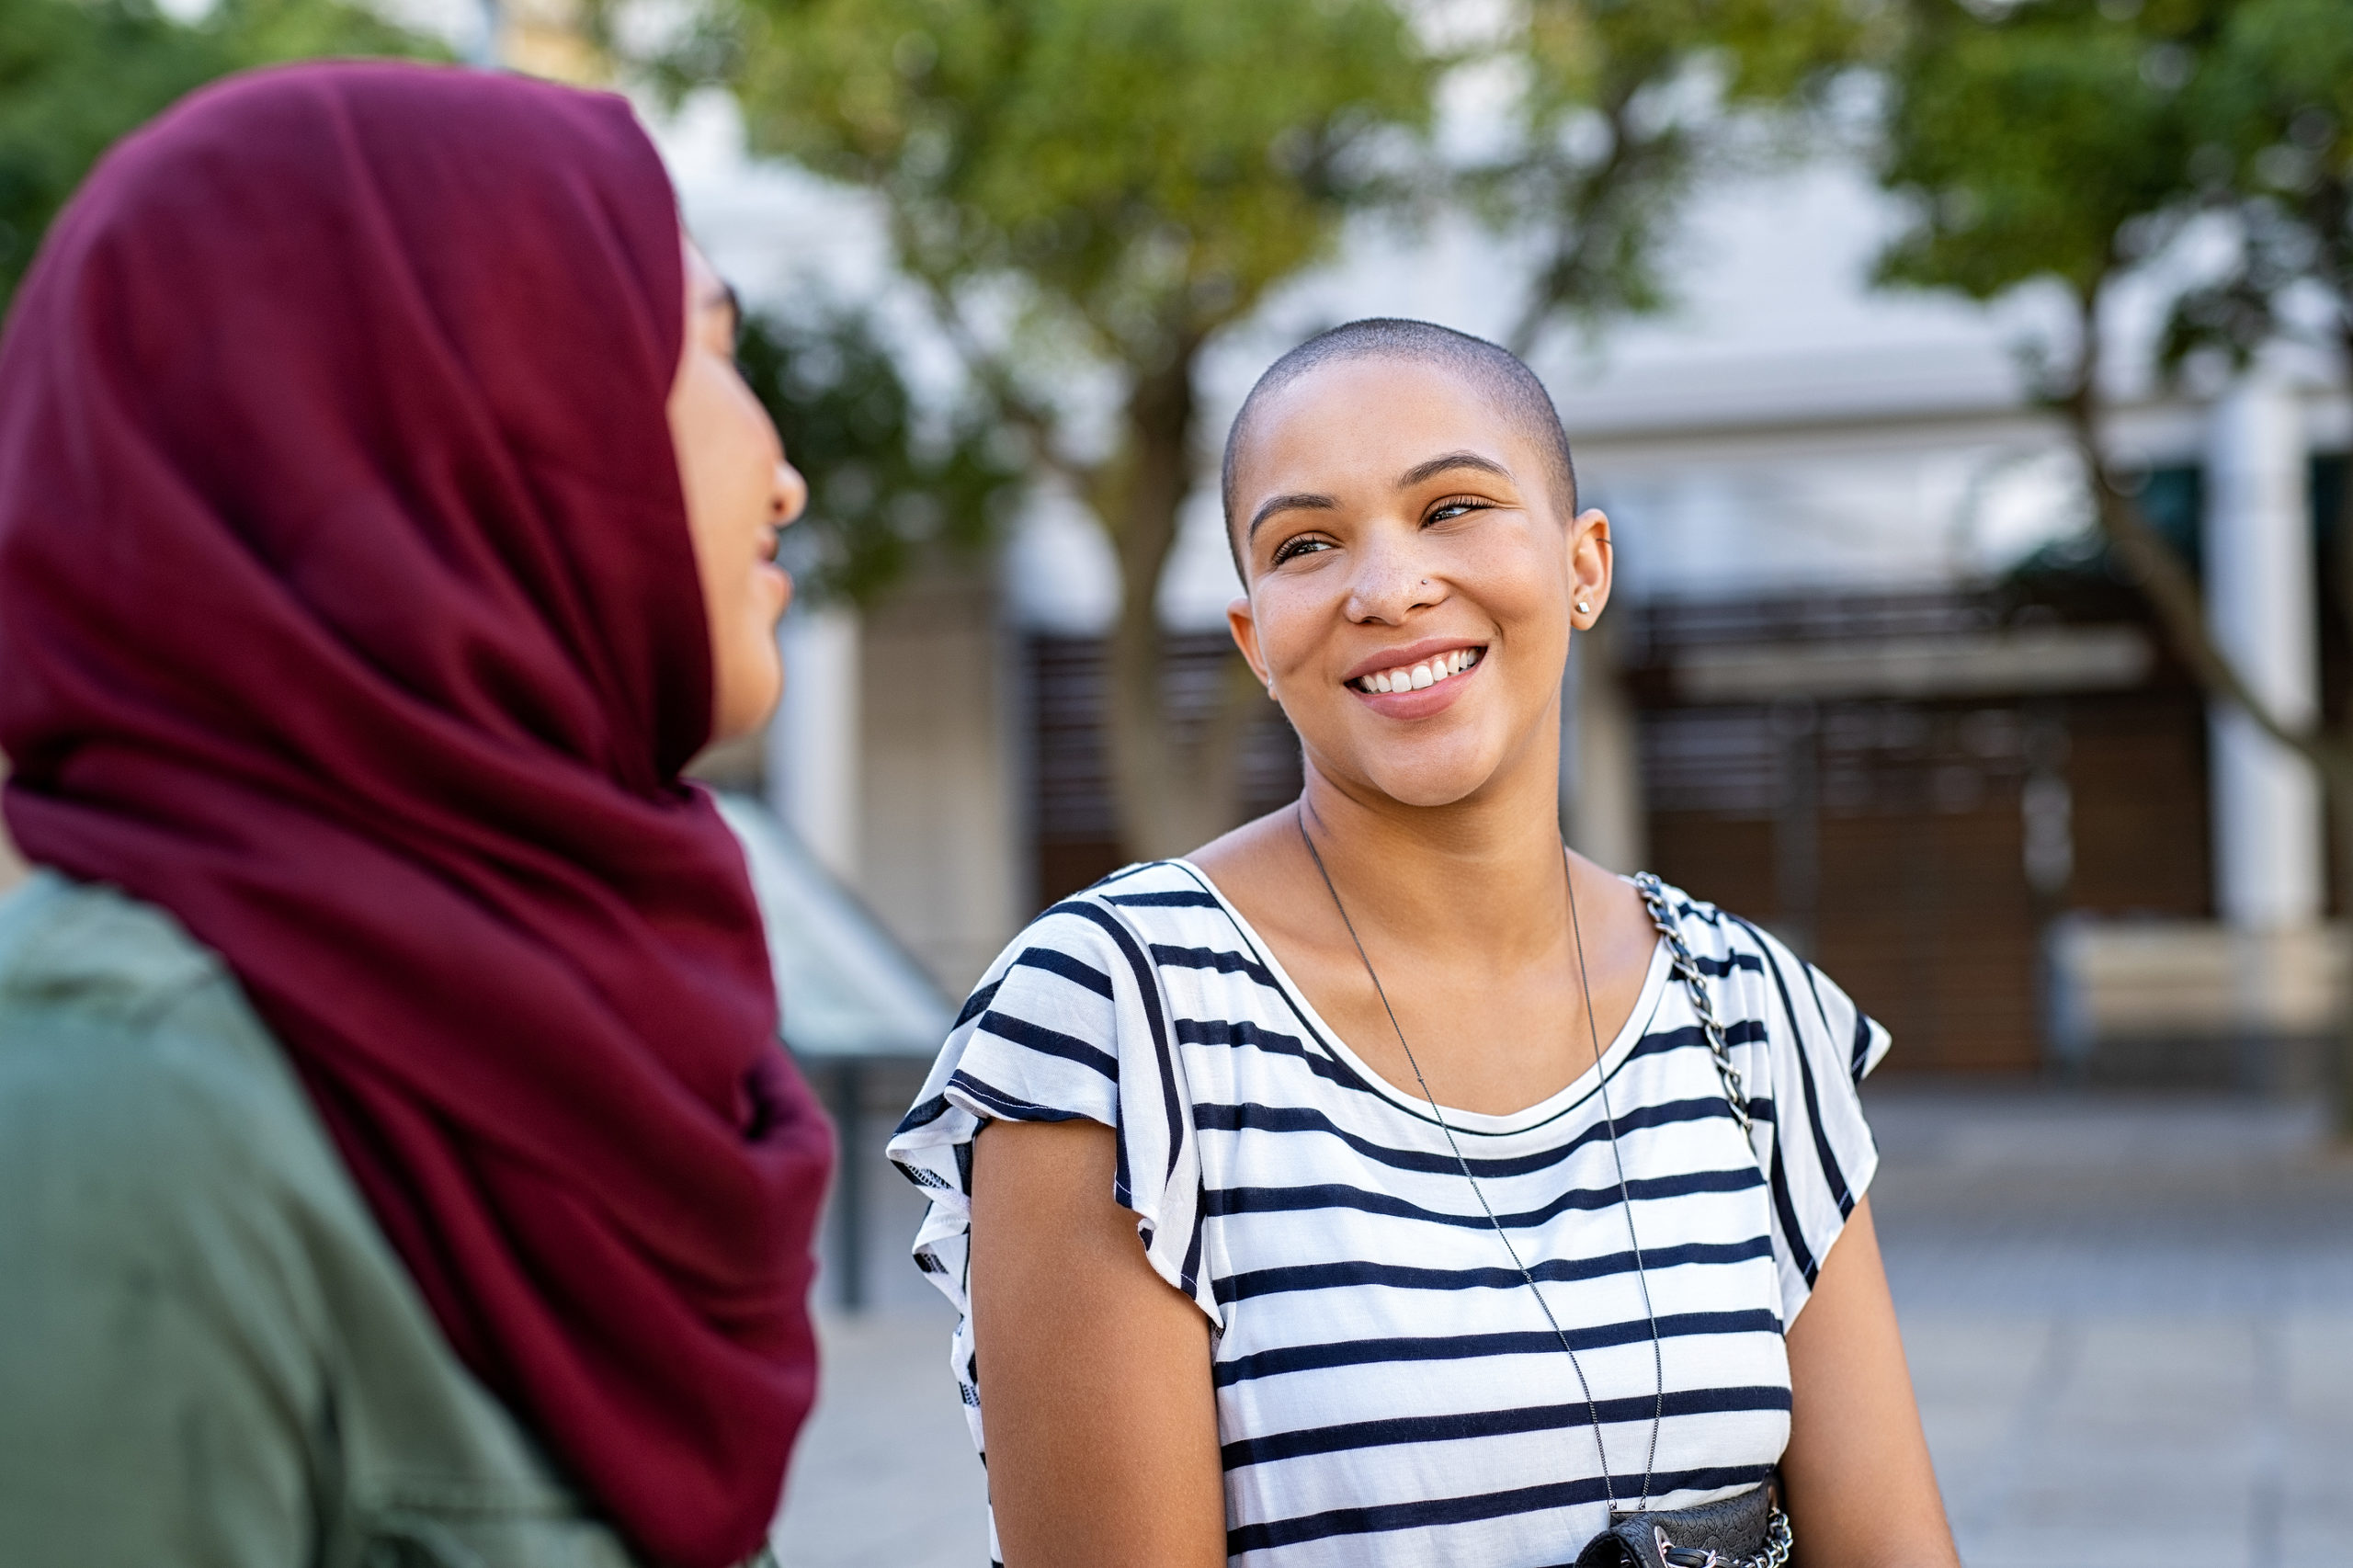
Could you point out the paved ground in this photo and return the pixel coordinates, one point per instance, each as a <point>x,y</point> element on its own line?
<point>2130,1323</point>
<point>2130,1319</point>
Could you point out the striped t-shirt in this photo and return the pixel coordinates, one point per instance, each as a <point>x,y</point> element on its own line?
<point>1387,1390</point>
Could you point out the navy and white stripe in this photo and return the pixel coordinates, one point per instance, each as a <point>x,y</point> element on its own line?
<point>1386,1390</point>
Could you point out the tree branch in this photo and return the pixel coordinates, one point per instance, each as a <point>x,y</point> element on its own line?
<point>2172,590</point>
<point>1592,220</point>
<point>995,375</point>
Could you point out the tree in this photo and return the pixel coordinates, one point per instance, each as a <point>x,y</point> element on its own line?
<point>76,74</point>
<point>1088,191</point>
<point>2275,97</point>
<point>1625,105</point>
<point>2070,142</point>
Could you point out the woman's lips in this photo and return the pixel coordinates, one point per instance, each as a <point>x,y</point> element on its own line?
<point>1420,702</point>
<point>776,582</point>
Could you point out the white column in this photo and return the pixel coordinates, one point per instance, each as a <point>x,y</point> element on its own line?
<point>812,761</point>
<point>2259,606</point>
<point>1601,792</point>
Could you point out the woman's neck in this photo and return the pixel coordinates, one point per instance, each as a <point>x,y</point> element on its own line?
<point>1481,875</point>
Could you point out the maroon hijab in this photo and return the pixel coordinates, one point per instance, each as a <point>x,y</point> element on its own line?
<point>347,611</point>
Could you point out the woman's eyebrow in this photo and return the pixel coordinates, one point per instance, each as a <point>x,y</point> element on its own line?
<point>1303,500</point>
<point>1445,460</point>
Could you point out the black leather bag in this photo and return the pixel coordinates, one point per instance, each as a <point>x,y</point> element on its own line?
<point>1745,1531</point>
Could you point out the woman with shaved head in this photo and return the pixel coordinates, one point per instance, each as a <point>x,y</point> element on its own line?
<point>1385,1182</point>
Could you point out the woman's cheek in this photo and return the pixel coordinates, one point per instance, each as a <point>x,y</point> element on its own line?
<point>1293,620</point>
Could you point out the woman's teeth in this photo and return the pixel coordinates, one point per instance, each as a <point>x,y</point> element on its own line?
<point>1430,672</point>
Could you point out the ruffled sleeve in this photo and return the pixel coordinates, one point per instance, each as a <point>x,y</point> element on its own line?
<point>1068,1024</point>
<point>1805,1069</point>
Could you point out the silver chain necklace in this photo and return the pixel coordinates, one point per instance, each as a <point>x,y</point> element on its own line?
<point>1625,1198</point>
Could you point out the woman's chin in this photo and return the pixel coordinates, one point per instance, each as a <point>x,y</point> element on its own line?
<point>1431,783</point>
<point>748,692</point>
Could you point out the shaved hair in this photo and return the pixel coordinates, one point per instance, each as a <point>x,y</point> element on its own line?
<point>1495,372</point>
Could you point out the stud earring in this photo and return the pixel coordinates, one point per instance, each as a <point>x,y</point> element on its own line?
<point>1585,607</point>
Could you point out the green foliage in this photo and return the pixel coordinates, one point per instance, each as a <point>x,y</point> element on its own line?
<point>1591,54</point>
<point>884,489</point>
<point>2274,98</point>
<point>1626,102</point>
<point>72,78</point>
<point>2069,139</point>
<point>2050,138</point>
<point>76,74</point>
<point>2280,77</point>
<point>1145,169</point>
<point>1088,190</point>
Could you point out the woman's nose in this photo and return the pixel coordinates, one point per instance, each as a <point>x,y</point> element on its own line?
<point>1389,583</point>
<point>791,497</point>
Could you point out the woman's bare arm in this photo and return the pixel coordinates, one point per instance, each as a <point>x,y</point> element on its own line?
<point>1861,1491</point>
<point>1100,1421</point>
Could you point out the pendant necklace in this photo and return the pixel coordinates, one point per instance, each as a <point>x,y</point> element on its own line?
<point>1625,1196</point>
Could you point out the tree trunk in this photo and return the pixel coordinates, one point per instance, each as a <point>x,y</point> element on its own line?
<point>2173,591</point>
<point>2340,785</point>
<point>1171,796</point>
<point>2338,782</point>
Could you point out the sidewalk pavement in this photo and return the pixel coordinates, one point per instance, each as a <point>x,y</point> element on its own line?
<point>2129,1322</point>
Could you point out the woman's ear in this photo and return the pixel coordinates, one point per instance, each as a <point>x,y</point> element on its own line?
<point>1245,627</point>
<point>1589,567</point>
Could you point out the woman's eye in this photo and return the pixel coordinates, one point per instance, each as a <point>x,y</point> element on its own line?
<point>1446,511</point>
<point>1292,547</point>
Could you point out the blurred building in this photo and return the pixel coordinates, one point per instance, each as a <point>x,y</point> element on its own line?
<point>1865,676</point>
<point>1889,695</point>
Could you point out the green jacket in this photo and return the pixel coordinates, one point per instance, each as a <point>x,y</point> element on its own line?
<point>209,1356</point>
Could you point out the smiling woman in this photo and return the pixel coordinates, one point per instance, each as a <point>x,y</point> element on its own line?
<point>1385,1182</point>
<point>739,491</point>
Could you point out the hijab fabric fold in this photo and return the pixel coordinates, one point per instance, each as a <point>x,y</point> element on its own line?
<point>348,612</point>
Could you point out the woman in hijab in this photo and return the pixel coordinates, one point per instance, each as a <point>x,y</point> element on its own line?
<point>398,1163</point>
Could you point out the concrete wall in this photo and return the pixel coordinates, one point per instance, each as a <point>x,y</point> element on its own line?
<point>1601,784</point>
<point>941,824</point>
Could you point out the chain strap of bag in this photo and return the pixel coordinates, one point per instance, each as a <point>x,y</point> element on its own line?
<point>1687,969</point>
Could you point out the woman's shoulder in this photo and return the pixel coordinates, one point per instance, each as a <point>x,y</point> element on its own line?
<point>1137,931</point>
<point>1127,914</point>
<point>1723,941</point>
<point>133,1074</point>
<point>179,1233</point>
<point>1788,996</point>
<point>1699,922</point>
<point>1144,885</point>
<point>94,950</point>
